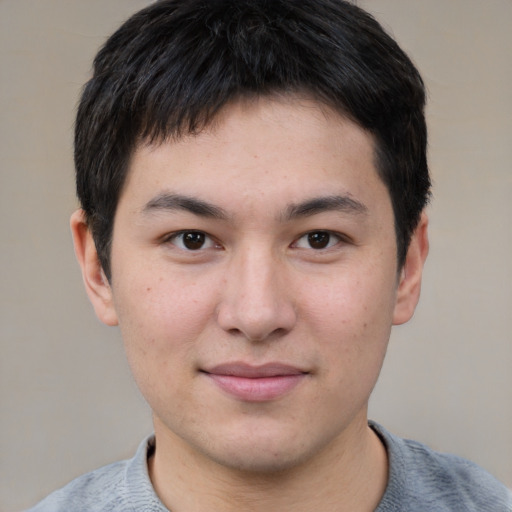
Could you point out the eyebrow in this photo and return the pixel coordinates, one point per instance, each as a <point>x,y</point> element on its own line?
<point>172,202</point>
<point>314,206</point>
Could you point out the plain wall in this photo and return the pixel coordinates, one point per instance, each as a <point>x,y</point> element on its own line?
<point>68,403</point>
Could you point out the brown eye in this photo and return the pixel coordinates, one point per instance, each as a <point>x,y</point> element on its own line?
<point>319,239</point>
<point>192,240</point>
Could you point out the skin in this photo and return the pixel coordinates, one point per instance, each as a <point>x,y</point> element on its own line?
<point>254,290</point>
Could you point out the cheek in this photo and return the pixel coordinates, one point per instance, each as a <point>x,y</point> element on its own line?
<point>351,318</point>
<point>160,320</point>
<point>170,306</point>
<point>361,305</point>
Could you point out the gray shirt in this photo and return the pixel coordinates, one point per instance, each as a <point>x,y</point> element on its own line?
<point>420,480</point>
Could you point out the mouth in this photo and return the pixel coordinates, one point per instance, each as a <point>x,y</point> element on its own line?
<point>255,383</point>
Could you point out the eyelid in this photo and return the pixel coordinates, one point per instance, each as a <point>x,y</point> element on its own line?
<point>340,238</point>
<point>170,238</point>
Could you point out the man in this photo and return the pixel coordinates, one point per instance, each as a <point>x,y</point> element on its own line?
<point>253,180</point>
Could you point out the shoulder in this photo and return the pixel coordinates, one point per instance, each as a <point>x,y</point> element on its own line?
<point>423,479</point>
<point>102,487</point>
<point>121,486</point>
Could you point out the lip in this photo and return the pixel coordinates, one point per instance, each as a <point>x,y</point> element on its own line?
<point>255,383</point>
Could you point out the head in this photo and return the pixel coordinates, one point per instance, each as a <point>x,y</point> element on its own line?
<point>252,175</point>
<point>172,68</point>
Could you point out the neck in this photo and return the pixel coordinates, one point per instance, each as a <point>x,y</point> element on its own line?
<point>350,474</point>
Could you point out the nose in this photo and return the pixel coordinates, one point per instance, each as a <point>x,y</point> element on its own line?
<point>256,301</point>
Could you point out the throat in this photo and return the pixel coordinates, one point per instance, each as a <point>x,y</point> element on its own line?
<point>345,481</point>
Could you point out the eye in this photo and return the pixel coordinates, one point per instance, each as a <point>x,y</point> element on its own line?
<point>192,240</point>
<point>317,240</point>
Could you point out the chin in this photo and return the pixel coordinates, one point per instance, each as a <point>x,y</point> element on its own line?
<point>262,454</point>
<point>257,461</point>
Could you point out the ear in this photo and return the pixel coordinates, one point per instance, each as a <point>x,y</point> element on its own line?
<point>96,283</point>
<point>409,286</point>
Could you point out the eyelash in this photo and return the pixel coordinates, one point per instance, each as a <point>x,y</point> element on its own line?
<point>200,238</point>
<point>321,239</point>
<point>179,235</point>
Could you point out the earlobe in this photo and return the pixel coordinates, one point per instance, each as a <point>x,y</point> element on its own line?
<point>409,287</point>
<point>96,284</point>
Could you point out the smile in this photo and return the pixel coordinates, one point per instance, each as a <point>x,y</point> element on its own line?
<point>255,383</point>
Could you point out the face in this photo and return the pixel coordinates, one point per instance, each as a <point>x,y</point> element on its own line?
<point>255,282</point>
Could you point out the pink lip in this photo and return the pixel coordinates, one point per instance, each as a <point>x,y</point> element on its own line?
<point>255,383</point>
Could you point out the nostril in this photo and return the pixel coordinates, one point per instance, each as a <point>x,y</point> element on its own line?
<point>259,336</point>
<point>255,305</point>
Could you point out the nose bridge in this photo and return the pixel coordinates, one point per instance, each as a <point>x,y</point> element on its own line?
<point>255,300</point>
<point>257,286</point>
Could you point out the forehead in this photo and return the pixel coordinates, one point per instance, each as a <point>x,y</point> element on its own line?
<point>290,145</point>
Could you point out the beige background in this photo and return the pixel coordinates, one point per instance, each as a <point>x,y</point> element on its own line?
<point>68,403</point>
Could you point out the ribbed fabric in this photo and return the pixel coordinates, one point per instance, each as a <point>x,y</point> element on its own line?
<point>420,480</point>
<point>120,487</point>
